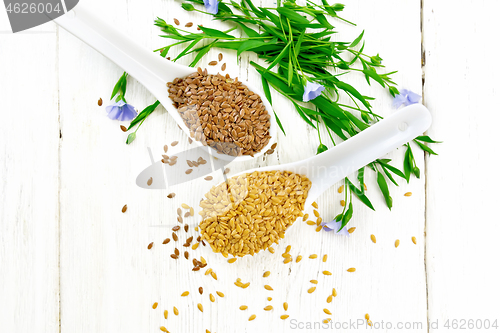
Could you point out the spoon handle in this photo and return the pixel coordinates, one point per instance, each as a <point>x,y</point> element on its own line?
<point>148,68</point>
<point>331,166</point>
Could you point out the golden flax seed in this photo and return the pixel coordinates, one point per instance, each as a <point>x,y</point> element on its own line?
<point>243,307</point>
<point>268,308</point>
<point>352,269</point>
<point>372,237</point>
<point>311,290</point>
<point>285,306</point>
<point>396,243</point>
<point>327,311</point>
<point>327,273</point>
<point>252,317</point>
<point>299,258</point>
<point>414,240</point>
<point>266,273</point>
<point>408,194</point>
<point>155,305</point>
<point>212,298</point>
<point>283,317</point>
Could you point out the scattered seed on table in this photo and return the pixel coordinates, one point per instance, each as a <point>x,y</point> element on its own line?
<point>287,260</point>
<point>268,308</point>
<point>299,258</point>
<point>325,257</point>
<point>179,219</point>
<point>327,311</point>
<point>288,248</point>
<point>186,254</point>
<point>174,256</point>
<point>174,237</point>
<point>176,21</point>
<point>311,290</point>
<point>329,299</point>
<point>220,57</point>
<point>226,171</point>
<point>269,299</point>
<point>212,298</point>
<point>150,245</point>
<point>372,237</point>
<point>209,178</point>
<point>163,329</point>
<point>124,209</point>
<point>316,213</point>
<point>286,255</point>
<point>191,211</point>
<point>123,128</point>
<point>212,273</point>
<point>200,307</point>
<point>266,273</point>
<point>327,273</point>
<point>176,228</point>
<point>396,243</point>
<point>186,228</point>
<point>176,312</point>
<point>313,256</point>
<point>318,221</point>
<point>165,314</point>
<point>352,269</point>
<point>165,148</point>
<point>284,317</point>
<point>223,67</point>
<point>171,195</point>
<point>334,292</point>
<point>369,322</point>
<point>173,144</point>
<point>150,181</point>
<point>189,25</point>
<point>342,203</point>
<point>304,218</point>
<point>195,246</point>
<point>314,281</point>
<point>184,294</point>
<point>315,205</point>
<point>311,222</point>
<point>166,241</point>
<point>414,240</point>
<point>155,304</point>
<point>231,260</point>
<point>245,285</point>
<point>99,102</point>
<point>220,294</point>
<point>351,230</point>
<point>252,317</point>
<point>341,188</point>
<point>268,287</point>
<point>285,306</point>
<point>318,228</point>
<point>243,307</point>
<point>212,63</point>
<point>367,316</point>
<point>176,251</point>
<point>271,249</point>
<point>408,194</point>
<point>188,171</point>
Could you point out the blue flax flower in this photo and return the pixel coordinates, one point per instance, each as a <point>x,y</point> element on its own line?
<point>311,91</point>
<point>335,226</point>
<point>406,97</point>
<point>212,6</point>
<point>121,111</point>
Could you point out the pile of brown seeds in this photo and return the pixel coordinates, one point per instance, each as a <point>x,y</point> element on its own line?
<point>251,212</point>
<point>221,112</point>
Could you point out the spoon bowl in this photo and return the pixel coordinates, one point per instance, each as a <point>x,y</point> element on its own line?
<point>151,70</point>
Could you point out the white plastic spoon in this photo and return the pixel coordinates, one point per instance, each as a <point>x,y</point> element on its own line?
<point>333,165</point>
<point>151,70</point>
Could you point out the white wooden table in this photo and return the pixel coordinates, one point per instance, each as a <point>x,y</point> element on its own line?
<point>71,261</point>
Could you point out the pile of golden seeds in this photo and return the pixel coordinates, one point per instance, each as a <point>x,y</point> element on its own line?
<point>221,112</point>
<point>251,212</point>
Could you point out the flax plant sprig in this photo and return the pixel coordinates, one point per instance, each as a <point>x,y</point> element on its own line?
<point>295,42</point>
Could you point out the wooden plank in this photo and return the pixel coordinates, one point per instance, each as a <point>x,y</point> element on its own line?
<point>460,91</point>
<point>106,268</point>
<point>29,170</point>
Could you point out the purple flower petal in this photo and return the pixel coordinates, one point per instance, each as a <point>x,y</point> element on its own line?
<point>335,226</point>
<point>405,97</point>
<point>212,6</point>
<point>311,91</point>
<point>121,111</point>
<point>413,97</point>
